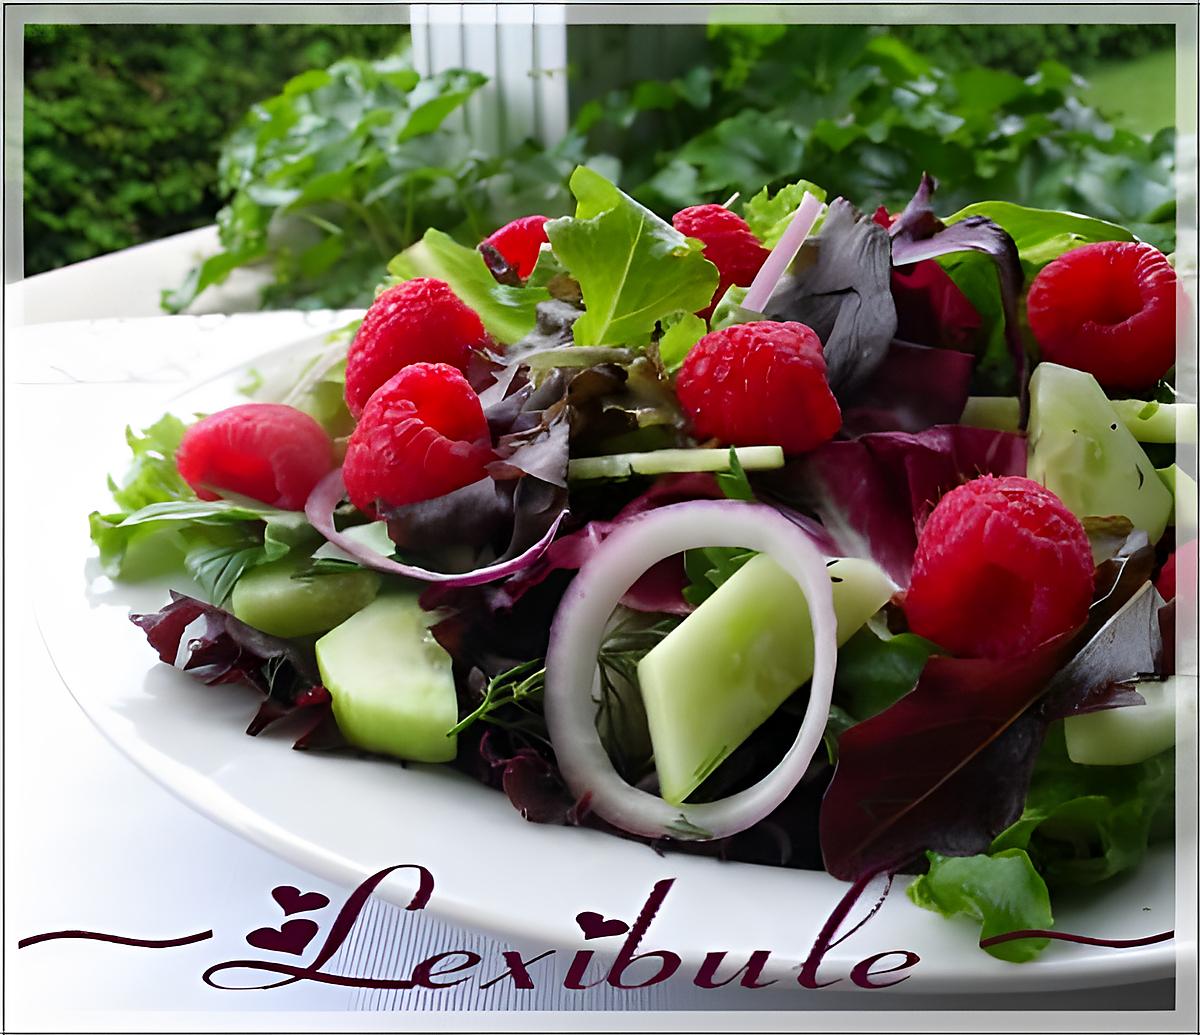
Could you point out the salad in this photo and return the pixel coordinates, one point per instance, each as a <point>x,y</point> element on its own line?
<point>795,535</point>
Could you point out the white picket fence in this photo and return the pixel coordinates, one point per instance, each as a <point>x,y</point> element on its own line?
<point>521,48</point>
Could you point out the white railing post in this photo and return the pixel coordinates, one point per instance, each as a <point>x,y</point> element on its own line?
<point>521,48</point>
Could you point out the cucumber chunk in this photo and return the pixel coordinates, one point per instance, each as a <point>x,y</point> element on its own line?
<point>1080,450</point>
<point>391,681</point>
<point>1156,422</point>
<point>724,670</point>
<point>1182,487</point>
<point>673,461</point>
<point>996,412</point>
<point>269,598</point>
<point>1126,736</point>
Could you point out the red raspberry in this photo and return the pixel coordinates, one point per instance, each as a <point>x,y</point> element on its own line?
<point>1001,567</point>
<point>760,384</point>
<point>1109,309</point>
<point>1182,560</point>
<point>422,435</point>
<point>519,242</point>
<point>267,451</point>
<point>729,245</point>
<point>419,321</point>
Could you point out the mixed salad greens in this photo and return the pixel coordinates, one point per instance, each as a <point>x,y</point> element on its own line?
<point>805,537</point>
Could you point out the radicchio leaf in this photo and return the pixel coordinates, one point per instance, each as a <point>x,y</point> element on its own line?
<point>930,308</point>
<point>945,768</point>
<point>1122,639</point>
<point>874,493</point>
<point>918,234</point>
<point>914,388</point>
<point>840,287</point>
<point>221,649</point>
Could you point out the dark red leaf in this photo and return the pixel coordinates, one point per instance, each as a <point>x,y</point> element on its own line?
<point>221,649</point>
<point>935,771</point>
<point>914,389</point>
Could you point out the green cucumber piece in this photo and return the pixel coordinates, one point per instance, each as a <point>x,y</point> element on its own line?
<point>1080,450</point>
<point>1182,488</point>
<point>1154,421</point>
<point>996,412</point>
<point>270,598</point>
<point>673,461</point>
<point>723,671</point>
<point>1146,421</point>
<point>1126,736</point>
<point>391,681</point>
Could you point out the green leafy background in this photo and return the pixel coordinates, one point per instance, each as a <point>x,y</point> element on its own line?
<point>346,159</point>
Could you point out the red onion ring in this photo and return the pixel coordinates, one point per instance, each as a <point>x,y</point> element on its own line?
<point>577,634</point>
<point>330,491</point>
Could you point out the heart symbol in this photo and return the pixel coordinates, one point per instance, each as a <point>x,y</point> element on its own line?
<point>293,937</point>
<point>291,901</point>
<point>593,925</point>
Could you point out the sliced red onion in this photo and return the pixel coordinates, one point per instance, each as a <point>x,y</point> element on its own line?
<point>331,490</point>
<point>577,634</point>
<point>783,253</point>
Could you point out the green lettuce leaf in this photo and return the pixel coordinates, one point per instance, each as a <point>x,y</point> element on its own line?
<point>1040,235</point>
<point>768,215</point>
<point>214,541</point>
<point>874,672</point>
<point>1002,892</point>
<point>508,312</point>
<point>634,269</point>
<point>152,476</point>
<point>1083,824</point>
<point>680,332</point>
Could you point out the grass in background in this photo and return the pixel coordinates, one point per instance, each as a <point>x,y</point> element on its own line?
<point>1137,94</point>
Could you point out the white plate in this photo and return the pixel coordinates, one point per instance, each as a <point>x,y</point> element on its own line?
<point>344,818</point>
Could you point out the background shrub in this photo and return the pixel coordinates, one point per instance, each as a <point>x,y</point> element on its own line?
<point>124,123</point>
<point>1022,48</point>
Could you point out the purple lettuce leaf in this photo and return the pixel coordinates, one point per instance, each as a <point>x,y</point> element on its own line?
<point>917,234</point>
<point>914,388</point>
<point>841,288</point>
<point>1123,639</point>
<point>874,493</point>
<point>220,649</point>
<point>934,772</point>
<point>931,309</point>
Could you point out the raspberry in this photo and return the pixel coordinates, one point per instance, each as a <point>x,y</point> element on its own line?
<point>1109,309</point>
<point>1182,560</point>
<point>519,242</point>
<point>419,321</point>
<point>1001,567</point>
<point>729,245</point>
<point>760,384</point>
<point>422,435</point>
<point>267,451</point>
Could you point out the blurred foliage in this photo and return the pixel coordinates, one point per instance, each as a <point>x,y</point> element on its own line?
<point>864,115</point>
<point>1022,48</point>
<point>124,123</point>
<point>348,166</point>
<point>349,162</point>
